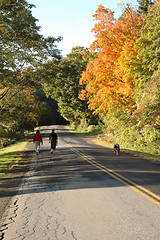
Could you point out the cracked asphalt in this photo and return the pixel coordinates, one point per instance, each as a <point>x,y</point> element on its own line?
<point>64,197</point>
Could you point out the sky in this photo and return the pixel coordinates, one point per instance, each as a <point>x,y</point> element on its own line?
<point>71,19</point>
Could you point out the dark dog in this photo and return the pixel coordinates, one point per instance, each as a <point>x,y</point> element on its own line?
<point>116,149</point>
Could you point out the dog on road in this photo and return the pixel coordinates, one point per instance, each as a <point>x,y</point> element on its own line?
<point>116,149</point>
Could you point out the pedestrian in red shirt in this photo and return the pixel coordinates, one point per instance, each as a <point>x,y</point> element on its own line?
<point>37,139</point>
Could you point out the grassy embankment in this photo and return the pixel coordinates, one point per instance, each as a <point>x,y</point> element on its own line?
<point>94,136</point>
<point>11,155</point>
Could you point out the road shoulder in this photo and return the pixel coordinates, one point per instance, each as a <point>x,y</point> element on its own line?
<point>10,182</point>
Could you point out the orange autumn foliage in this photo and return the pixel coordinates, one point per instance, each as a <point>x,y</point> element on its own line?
<point>108,80</point>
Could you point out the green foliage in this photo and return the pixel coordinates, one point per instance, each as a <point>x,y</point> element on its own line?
<point>146,116</point>
<point>149,47</point>
<point>85,130</point>
<point>22,51</point>
<point>143,5</point>
<point>63,84</point>
<point>148,107</point>
<point>144,139</point>
<point>21,43</point>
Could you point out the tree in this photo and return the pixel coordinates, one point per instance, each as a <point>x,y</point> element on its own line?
<point>109,80</point>
<point>143,5</point>
<point>148,71</point>
<point>149,48</point>
<point>148,108</point>
<point>20,38</point>
<point>21,45</point>
<point>63,84</point>
<point>22,51</point>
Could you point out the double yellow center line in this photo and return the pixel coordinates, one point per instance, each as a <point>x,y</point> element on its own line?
<point>139,189</point>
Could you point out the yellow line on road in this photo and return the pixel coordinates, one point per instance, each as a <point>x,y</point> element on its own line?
<point>139,189</point>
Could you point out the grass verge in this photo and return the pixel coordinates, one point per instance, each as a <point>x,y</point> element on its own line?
<point>141,154</point>
<point>94,135</point>
<point>10,156</point>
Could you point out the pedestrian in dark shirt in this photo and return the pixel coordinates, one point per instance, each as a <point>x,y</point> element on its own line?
<point>53,140</point>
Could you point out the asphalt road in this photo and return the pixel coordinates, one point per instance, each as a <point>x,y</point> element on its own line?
<point>83,192</point>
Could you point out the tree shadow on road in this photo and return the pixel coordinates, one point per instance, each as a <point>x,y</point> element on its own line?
<point>66,169</point>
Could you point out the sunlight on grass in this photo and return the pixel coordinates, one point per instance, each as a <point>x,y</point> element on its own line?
<point>94,136</point>
<point>131,151</point>
<point>10,156</point>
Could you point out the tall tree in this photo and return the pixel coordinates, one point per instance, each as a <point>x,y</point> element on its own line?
<point>149,47</point>
<point>109,82</point>
<point>22,51</point>
<point>21,45</point>
<point>148,71</point>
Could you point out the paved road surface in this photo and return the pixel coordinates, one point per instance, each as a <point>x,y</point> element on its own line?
<point>84,192</point>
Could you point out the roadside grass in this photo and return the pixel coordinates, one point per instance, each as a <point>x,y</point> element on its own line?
<point>88,131</point>
<point>94,136</point>
<point>91,134</point>
<point>149,156</point>
<point>10,156</point>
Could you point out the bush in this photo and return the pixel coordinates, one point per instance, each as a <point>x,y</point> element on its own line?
<point>9,135</point>
<point>142,139</point>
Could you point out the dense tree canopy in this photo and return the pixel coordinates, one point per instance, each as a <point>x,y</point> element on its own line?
<point>148,70</point>
<point>149,46</point>
<point>63,84</point>
<point>22,51</point>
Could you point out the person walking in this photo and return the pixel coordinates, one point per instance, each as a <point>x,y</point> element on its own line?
<point>37,139</point>
<point>53,140</point>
